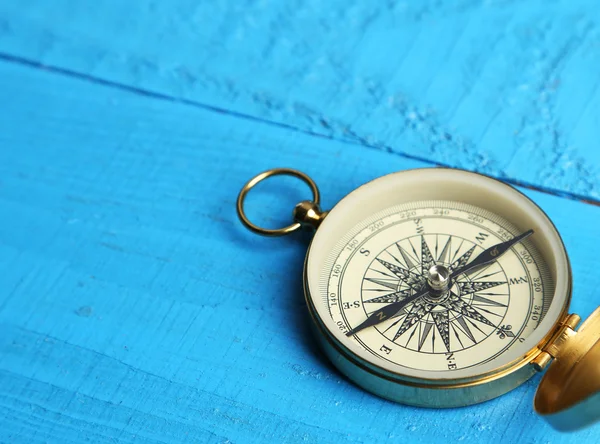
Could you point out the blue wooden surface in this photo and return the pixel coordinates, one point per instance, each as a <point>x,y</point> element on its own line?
<point>133,305</point>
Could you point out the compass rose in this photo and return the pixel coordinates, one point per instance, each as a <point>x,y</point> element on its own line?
<point>455,317</point>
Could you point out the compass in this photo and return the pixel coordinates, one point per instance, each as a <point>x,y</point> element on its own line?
<point>445,288</point>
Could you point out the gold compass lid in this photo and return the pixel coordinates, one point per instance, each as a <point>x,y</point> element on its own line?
<point>568,396</point>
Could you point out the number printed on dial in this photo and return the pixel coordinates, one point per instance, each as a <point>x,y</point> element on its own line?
<point>480,315</point>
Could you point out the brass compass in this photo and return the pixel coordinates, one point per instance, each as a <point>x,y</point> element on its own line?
<point>445,288</point>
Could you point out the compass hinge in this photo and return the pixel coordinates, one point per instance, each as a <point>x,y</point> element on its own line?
<point>552,349</point>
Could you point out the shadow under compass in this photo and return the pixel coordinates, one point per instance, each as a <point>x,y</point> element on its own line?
<point>277,265</point>
<point>271,269</point>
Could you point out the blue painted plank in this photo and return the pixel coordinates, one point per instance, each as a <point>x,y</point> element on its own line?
<point>505,88</point>
<point>135,308</point>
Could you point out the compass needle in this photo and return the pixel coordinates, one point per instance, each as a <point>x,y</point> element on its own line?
<point>462,260</point>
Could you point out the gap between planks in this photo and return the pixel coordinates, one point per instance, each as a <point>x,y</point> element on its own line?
<point>10,58</point>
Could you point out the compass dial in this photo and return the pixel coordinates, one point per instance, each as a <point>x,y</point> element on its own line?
<point>480,314</point>
<point>441,278</point>
<point>435,287</point>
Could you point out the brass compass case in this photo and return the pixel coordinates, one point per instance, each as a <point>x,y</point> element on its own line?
<point>428,373</point>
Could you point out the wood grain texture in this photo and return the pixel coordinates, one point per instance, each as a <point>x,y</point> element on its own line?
<point>135,308</point>
<point>133,305</point>
<point>503,87</point>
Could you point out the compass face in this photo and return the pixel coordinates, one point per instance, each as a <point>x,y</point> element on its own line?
<point>370,282</point>
<point>482,313</point>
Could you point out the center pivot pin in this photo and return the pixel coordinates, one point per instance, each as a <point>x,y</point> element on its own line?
<point>438,278</point>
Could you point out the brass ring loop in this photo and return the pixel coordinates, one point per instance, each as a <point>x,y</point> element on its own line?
<point>259,178</point>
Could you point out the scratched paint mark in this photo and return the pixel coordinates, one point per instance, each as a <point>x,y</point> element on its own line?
<point>311,374</point>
